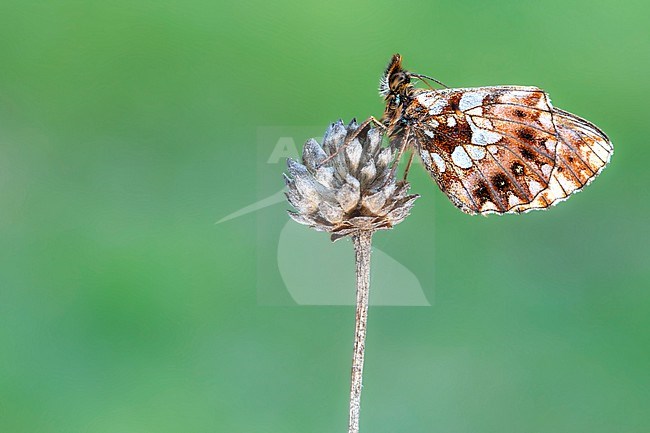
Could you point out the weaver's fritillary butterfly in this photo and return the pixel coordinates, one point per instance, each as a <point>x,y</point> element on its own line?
<point>500,149</point>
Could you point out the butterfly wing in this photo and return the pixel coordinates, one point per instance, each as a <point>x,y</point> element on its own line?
<point>505,149</point>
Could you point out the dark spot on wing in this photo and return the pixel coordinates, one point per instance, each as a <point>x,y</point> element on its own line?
<point>482,193</point>
<point>500,181</point>
<point>526,153</point>
<point>454,101</point>
<point>519,113</point>
<point>526,134</point>
<point>517,168</point>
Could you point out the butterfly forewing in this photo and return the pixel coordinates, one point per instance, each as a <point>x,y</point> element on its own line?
<point>504,149</point>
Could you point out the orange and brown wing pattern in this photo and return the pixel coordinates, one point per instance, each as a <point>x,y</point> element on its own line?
<point>505,149</point>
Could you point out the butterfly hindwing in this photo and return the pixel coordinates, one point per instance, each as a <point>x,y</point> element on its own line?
<point>504,149</point>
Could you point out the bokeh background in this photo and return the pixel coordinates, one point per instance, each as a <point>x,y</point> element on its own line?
<point>129,127</point>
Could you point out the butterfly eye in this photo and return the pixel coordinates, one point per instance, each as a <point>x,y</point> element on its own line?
<point>398,79</point>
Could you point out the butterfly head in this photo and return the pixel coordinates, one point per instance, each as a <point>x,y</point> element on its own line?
<point>395,80</point>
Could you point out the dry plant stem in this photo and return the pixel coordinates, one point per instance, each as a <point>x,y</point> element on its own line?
<point>362,244</point>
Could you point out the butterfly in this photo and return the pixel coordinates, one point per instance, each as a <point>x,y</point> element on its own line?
<point>500,149</point>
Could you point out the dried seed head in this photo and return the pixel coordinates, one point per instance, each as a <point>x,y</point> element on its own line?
<point>351,191</point>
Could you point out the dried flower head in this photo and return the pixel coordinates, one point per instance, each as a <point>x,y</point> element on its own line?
<point>352,191</point>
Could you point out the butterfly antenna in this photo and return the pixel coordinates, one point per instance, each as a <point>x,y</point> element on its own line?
<point>426,83</point>
<point>424,77</point>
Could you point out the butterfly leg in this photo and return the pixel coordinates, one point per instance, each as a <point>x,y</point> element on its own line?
<point>408,166</point>
<point>369,120</point>
<point>400,152</point>
<point>354,135</point>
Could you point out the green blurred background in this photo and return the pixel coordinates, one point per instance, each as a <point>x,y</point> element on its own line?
<point>127,128</point>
